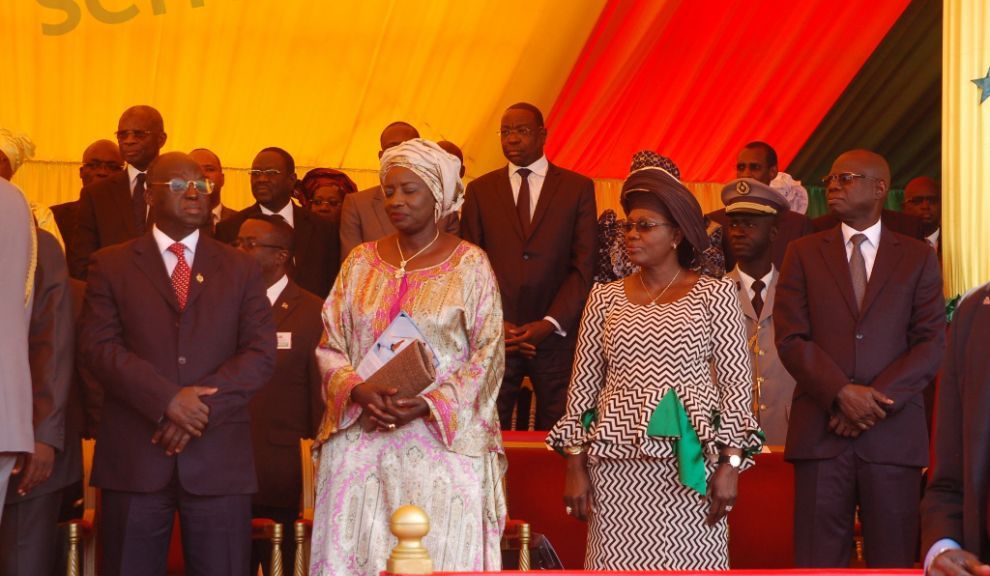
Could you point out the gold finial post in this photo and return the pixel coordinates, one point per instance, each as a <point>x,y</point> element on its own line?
<point>410,525</point>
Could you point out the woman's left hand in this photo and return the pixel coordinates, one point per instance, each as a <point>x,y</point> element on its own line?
<point>403,410</point>
<point>722,490</point>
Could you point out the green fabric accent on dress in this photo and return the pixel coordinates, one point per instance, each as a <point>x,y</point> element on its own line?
<point>670,420</point>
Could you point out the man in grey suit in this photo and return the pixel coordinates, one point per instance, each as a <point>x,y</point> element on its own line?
<point>16,291</point>
<point>753,209</point>
<point>28,532</point>
<point>363,217</point>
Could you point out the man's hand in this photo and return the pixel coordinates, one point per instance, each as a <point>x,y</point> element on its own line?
<point>34,468</point>
<point>532,334</point>
<point>172,438</point>
<point>512,337</point>
<point>957,563</point>
<point>188,412</point>
<point>862,405</point>
<point>841,426</point>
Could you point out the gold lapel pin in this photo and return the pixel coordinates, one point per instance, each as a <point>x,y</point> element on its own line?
<point>285,305</point>
<point>199,278</point>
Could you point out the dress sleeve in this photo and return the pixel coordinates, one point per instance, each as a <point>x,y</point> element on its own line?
<point>733,373</point>
<point>588,376</point>
<point>470,390</point>
<point>333,356</point>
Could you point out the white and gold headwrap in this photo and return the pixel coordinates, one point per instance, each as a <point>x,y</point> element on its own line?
<point>439,169</point>
<point>16,147</point>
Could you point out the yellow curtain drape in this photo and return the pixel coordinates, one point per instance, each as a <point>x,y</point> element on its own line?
<point>320,79</point>
<point>965,145</point>
<point>709,195</point>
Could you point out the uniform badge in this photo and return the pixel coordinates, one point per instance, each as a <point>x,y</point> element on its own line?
<point>742,188</point>
<point>285,305</point>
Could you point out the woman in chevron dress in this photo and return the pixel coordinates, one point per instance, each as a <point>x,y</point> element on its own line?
<point>658,420</point>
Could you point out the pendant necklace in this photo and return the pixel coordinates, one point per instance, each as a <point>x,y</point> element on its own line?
<point>402,258</point>
<point>662,292</point>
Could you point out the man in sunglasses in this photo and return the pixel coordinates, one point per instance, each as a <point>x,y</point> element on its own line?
<point>113,210</point>
<point>179,331</point>
<point>290,405</point>
<point>860,323</point>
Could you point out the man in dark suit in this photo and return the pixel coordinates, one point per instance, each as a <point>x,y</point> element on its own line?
<point>537,222</point>
<point>273,177</point>
<point>758,160</point>
<point>100,160</point>
<point>179,331</point>
<point>114,210</point>
<point>290,405</point>
<point>28,532</point>
<point>362,216</point>
<point>860,324</point>
<point>209,162</point>
<point>954,514</point>
<point>923,200</point>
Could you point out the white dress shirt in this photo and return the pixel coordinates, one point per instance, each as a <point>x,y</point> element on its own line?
<point>171,260</point>
<point>868,248</point>
<point>747,282</point>
<point>536,178</point>
<point>285,212</point>
<point>933,238</point>
<point>132,174</point>
<point>275,290</point>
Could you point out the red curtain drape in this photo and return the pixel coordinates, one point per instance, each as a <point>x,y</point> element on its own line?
<point>697,80</point>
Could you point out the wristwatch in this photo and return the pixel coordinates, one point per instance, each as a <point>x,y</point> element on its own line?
<point>734,460</point>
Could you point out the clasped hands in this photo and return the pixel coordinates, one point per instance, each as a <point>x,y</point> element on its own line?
<point>387,412</point>
<point>957,563</point>
<point>524,339</point>
<point>859,409</point>
<point>186,417</point>
<point>34,468</point>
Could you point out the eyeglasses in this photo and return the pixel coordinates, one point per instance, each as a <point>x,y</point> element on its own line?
<point>919,200</point>
<point>844,179</point>
<point>139,134</point>
<point>270,172</point>
<point>178,185</point>
<point>107,164</point>
<point>753,166</point>
<point>518,130</point>
<point>251,244</point>
<point>327,202</point>
<point>641,225</point>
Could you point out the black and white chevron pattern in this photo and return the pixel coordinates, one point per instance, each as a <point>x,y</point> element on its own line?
<point>644,519</point>
<point>628,356</point>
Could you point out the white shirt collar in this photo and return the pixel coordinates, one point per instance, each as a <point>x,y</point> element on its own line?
<point>539,167</point>
<point>872,233</point>
<point>285,212</point>
<point>747,280</point>
<point>164,241</point>
<point>132,174</point>
<point>933,237</point>
<point>217,212</point>
<point>275,290</point>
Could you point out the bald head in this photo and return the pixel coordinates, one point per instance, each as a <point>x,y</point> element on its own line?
<point>147,114</point>
<point>100,160</point>
<point>856,187</point>
<point>140,135</point>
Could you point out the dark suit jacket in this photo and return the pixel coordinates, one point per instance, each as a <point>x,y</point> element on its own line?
<point>790,227</point>
<point>143,350</point>
<point>895,344</point>
<point>549,272</point>
<point>65,219</point>
<point>316,246</point>
<point>289,406</point>
<point>51,346</point>
<point>897,221</point>
<point>955,503</point>
<point>104,216</point>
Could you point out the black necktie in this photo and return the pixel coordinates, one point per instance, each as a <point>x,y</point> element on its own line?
<point>522,203</point>
<point>137,202</point>
<point>758,296</point>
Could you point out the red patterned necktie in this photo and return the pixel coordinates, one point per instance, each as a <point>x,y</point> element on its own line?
<point>180,276</point>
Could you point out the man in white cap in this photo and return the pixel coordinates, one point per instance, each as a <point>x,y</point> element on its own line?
<point>753,208</point>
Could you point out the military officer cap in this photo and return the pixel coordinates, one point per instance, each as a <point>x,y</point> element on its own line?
<point>749,196</point>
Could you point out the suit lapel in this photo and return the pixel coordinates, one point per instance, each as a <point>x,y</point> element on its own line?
<point>503,191</point>
<point>834,253</point>
<point>888,255</point>
<point>125,207</point>
<point>550,186</point>
<point>150,262</point>
<point>204,268</point>
<point>744,302</point>
<point>303,228</point>
<point>771,295</point>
